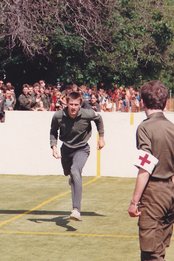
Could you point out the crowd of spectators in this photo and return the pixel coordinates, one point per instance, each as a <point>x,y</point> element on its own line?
<point>44,97</point>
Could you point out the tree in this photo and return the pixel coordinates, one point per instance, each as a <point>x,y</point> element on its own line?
<point>141,37</point>
<point>30,24</point>
<point>86,40</point>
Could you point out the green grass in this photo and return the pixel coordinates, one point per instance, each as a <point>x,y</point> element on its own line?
<point>46,233</point>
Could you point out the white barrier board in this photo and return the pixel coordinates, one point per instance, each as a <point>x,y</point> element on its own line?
<point>25,149</point>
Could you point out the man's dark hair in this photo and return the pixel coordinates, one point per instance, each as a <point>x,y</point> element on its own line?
<point>74,96</point>
<point>154,95</point>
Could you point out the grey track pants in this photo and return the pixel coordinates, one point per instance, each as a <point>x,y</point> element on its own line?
<point>73,161</point>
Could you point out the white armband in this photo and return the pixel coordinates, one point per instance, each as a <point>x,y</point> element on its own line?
<point>146,161</point>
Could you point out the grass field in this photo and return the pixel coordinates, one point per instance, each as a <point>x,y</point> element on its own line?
<point>34,224</point>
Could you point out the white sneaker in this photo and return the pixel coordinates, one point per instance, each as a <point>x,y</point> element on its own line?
<point>75,215</point>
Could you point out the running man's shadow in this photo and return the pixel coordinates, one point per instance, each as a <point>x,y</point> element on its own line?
<point>63,220</point>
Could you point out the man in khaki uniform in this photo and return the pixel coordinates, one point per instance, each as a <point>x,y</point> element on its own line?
<point>153,197</point>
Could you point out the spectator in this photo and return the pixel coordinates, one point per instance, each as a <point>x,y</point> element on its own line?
<point>2,101</point>
<point>51,98</point>
<point>56,101</point>
<point>42,84</point>
<point>12,89</point>
<point>94,104</point>
<point>1,85</point>
<point>135,101</point>
<point>9,101</point>
<point>123,100</point>
<point>2,88</point>
<point>32,96</point>
<point>45,98</point>
<point>85,92</point>
<point>24,99</point>
<point>115,98</point>
<point>37,101</point>
<point>108,106</point>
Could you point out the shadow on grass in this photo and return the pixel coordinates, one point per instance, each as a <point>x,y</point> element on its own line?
<point>63,219</point>
<point>46,212</point>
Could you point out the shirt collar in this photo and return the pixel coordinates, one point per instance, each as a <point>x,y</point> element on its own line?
<point>158,114</point>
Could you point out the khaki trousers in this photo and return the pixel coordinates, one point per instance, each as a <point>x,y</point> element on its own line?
<point>154,232</point>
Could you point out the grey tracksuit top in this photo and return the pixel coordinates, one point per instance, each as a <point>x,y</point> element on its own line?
<point>75,132</point>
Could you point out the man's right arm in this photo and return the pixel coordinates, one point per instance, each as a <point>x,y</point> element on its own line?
<point>55,152</point>
<point>141,181</point>
<point>54,136</point>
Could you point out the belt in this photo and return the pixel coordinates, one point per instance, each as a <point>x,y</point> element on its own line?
<point>159,179</point>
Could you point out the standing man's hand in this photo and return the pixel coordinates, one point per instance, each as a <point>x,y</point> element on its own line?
<point>101,143</point>
<point>133,210</point>
<point>55,152</point>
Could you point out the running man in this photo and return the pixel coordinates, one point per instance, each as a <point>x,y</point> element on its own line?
<point>72,126</point>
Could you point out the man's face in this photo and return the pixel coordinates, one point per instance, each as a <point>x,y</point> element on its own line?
<point>30,90</point>
<point>73,107</point>
<point>8,94</point>
<point>93,99</point>
<point>25,90</point>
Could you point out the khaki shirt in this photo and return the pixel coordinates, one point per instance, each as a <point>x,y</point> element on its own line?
<point>156,136</point>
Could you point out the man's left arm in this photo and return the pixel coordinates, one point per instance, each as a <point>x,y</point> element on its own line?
<point>101,142</point>
<point>100,128</point>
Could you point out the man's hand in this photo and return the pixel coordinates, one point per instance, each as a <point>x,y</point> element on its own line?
<point>133,210</point>
<point>55,152</point>
<point>101,143</point>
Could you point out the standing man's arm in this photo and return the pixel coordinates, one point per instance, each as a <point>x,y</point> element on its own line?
<point>146,163</point>
<point>141,181</point>
<point>54,137</point>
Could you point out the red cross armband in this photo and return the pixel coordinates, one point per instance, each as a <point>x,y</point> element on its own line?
<point>146,161</point>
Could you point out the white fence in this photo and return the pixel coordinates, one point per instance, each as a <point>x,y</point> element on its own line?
<point>24,145</point>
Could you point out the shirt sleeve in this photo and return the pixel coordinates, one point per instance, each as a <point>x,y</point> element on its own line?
<point>99,123</point>
<point>55,125</point>
<point>143,141</point>
<point>144,157</point>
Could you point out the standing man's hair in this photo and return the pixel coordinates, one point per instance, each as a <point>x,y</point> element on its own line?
<point>154,95</point>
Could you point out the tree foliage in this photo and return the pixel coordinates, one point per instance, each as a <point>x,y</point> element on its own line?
<point>127,41</point>
<point>31,23</point>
